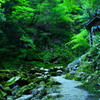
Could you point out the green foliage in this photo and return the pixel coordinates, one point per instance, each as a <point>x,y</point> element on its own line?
<point>69,76</point>
<point>28,40</point>
<point>92,5</point>
<point>2,1</point>
<point>87,67</point>
<point>12,80</point>
<point>35,31</point>
<point>22,14</point>
<point>2,94</point>
<point>96,41</point>
<point>52,82</point>
<point>80,40</point>
<point>92,83</point>
<point>23,3</point>
<point>73,5</point>
<point>2,16</point>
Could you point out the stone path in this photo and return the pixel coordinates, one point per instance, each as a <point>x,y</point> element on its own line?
<point>70,91</point>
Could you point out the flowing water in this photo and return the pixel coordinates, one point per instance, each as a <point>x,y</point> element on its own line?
<point>70,91</point>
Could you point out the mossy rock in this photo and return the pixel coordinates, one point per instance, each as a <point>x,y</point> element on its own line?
<point>52,82</point>
<point>2,94</point>
<point>38,79</point>
<point>12,81</point>
<point>23,81</point>
<point>92,83</point>
<point>25,89</point>
<point>4,77</point>
<point>69,76</point>
<point>53,73</point>
<point>86,67</point>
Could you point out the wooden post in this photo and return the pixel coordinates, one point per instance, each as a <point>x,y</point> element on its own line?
<point>91,39</point>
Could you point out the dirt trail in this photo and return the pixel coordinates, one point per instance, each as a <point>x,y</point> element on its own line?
<point>69,90</point>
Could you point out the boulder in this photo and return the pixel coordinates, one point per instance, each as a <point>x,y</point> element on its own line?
<point>10,98</point>
<point>25,97</point>
<point>59,72</point>
<point>34,92</point>
<point>74,65</point>
<point>54,95</point>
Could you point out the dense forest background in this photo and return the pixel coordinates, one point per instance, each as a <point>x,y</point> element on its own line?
<point>43,32</point>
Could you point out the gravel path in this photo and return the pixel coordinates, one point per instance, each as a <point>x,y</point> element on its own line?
<point>69,90</point>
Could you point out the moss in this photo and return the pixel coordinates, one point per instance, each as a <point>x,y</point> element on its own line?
<point>2,94</point>
<point>78,78</point>
<point>38,80</point>
<point>92,83</point>
<point>86,67</point>
<point>69,76</point>
<point>12,81</point>
<point>51,82</point>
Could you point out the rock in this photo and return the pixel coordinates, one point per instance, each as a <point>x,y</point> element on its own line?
<point>22,81</point>
<point>81,76</point>
<point>23,90</point>
<point>42,68</point>
<point>56,70</point>
<point>46,77</point>
<point>46,70</point>
<point>74,65</point>
<point>38,74</point>
<point>34,92</point>
<point>39,93</point>
<point>33,71</point>
<point>1,87</point>
<point>4,77</point>
<point>53,73</point>
<point>10,98</point>
<point>42,91</point>
<point>15,87</point>
<point>73,72</point>
<point>54,95</point>
<point>46,73</point>
<point>38,79</point>
<point>25,97</point>
<point>8,90</point>
<point>2,94</point>
<point>51,69</point>
<point>59,72</point>
<point>12,81</point>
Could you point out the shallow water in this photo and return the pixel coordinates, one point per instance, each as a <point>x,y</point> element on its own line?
<point>70,91</point>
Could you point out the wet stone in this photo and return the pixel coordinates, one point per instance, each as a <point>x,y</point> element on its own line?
<point>34,92</point>
<point>25,97</point>
<point>54,95</point>
<point>10,98</point>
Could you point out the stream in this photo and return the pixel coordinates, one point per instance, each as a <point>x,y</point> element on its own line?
<point>70,91</point>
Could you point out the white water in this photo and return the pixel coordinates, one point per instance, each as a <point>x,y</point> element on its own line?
<point>69,90</point>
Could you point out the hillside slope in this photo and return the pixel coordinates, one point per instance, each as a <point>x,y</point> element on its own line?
<point>87,68</point>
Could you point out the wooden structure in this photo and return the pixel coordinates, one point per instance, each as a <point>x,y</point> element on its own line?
<point>93,25</point>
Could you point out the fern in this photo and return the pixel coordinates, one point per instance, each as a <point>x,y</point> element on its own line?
<point>28,40</point>
<point>79,40</point>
